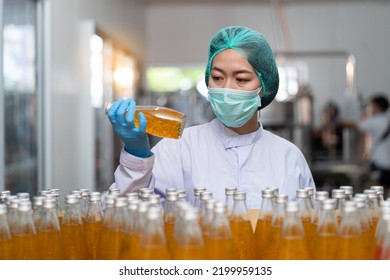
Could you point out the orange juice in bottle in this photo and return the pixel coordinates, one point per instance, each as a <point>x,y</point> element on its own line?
<point>350,241</point>
<point>153,243</point>
<point>339,195</point>
<point>161,121</point>
<point>93,224</point>
<point>219,241</point>
<point>240,224</point>
<point>229,200</point>
<point>130,233</point>
<point>169,217</point>
<point>306,213</point>
<point>293,245</point>
<point>5,235</point>
<point>72,230</point>
<point>49,232</point>
<point>263,224</point>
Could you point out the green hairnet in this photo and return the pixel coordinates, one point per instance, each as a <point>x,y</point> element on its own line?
<point>255,48</point>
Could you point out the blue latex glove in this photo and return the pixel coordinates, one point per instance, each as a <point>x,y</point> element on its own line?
<point>135,139</point>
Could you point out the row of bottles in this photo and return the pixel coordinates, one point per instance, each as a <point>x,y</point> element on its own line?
<point>136,226</point>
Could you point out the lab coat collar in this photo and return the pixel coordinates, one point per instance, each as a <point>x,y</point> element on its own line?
<point>230,139</point>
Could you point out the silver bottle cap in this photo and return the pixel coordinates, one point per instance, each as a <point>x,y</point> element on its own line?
<point>72,199</point>
<point>182,194</point>
<point>38,200</point>
<point>350,207</point>
<point>131,196</point>
<point>5,193</point>
<point>206,195</point>
<point>281,198</point>
<point>230,191</point>
<point>302,193</point>
<point>379,189</point>
<point>199,190</point>
<point>77,193</point>
<point>172,196</point>
<point>337,193</point>
<point>267,193</point>
<point>292,207</point>
<point>9,199</point>
<point>44,192</point>
<point>114,191</point>
<point>13,202</point>
<point>49,203</point>
<point>154,199</point>
<point>120,202</point>
<point>169,190</point>
<point>321,195</point>
<point>95,197</point>
<point>310,190</point>
<point>23,195</point>
<point>132,205</point>
<point>348,189</point>
<point>329,204</point>
<point>239,196</point>
<point>219,207</point>
<point>362,195</point>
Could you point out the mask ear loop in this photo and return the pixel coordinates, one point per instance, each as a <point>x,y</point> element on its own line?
<point>262,90</point>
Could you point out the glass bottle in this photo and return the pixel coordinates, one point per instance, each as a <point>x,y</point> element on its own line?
<point>293,245</point>
<point>55,195</point>
<point>204,196</point>
<point>93,224</point>
<point>305,212</point>
<point>350,241</point>
<point>4,195</point>
<point>37,209</point>
<point>182,195</point>
<point>229,200</point>
<point>310,193</point>
<point>263,224</point>
<point>380,192</point>
<point>161,121</point>
<point>169,217</point>
<point>84,203</point>
<point>112,234</point>
<point>142,211</point>
<point>219,242</point>
<point>129,243</point>
<point>189,245</point>
<point>49,231</point>
<point>373,206</point>
<point>144,193</point>
<point>153,244</point>
<point>339,195</point>
<point>348,192</point>
<point>272,247</point>
<point>368,235</point>
<point>24,237</point>
<point>197,192</point>
<point>73,237</point>
<point>325,244</point>
<point>5,235</point>
<point>12,213</point>
<point>380,233</point>
<point>241,227</point>
<point>386,244</point>
<point>208,218</point>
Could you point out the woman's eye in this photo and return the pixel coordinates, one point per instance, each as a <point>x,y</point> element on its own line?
<point>242,80</point>
<point>216,78</point>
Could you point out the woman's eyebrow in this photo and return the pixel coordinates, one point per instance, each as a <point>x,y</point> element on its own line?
<point>235,72</point>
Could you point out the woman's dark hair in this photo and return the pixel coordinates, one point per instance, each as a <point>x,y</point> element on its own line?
<point>381,101</point>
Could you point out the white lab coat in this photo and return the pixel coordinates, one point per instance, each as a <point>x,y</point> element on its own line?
<point>214,157</point>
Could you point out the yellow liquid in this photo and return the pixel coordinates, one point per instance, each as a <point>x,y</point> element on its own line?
<point>169,235</point>
<point>92,235</point>
<point>130,247</point>
<point>161,121</point>
<point>325,247</point>
<point>189,253</point>
<point>243,239</point>
<point>293,249</point>
<point>262,232</point>
<point>154,253</point>
<point>74,242</point>
<point>110,244</point>
<point>271,250</point>
<point>50,245</point>
<point>25,247</point>
<point>219,249</point>
<point>350,248</point>
<point>6,250</point>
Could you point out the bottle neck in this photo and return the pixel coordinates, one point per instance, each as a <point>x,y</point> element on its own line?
<point>240,211</point>
<point>266,208</point>
<point>292,226</point>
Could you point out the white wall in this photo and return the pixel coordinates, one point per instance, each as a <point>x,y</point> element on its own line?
<point>179,34</point>
<point>72,145</point>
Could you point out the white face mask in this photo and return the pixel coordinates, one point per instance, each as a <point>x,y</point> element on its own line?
<point>234,107</point>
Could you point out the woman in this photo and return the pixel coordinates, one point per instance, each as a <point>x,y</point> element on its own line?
<point>231,150</point>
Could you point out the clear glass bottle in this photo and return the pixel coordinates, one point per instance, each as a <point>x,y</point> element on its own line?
<point>182,195</point>
<point>368,235</point>
<point>272,247</point>
<point>93,224</point>
<point>169,217</point>
<point>84,203</point>
<point>12,213</point>
<point>294,245</point>
<point>73,237</point>
<point>339,195</point>
<point>4,195</point>
<point>208,218</point>
<point>305,212</point>
<point>5,235</point>
<point>161,121</point>
<point>142,211</point>
<point>37,209</point>
<point>197,192</point>
<point>204,196</point>
<point>241,227</point>
<point>263,224</point>
<point>229,200</point>
<point>310,193</point>
<point>380,233</point>
<point>153,244</point>
<point>24,237</point>
<point>49,231</point>
<point>189,245</point>
<point>129,243</point>
<point>112,234</point>
<point>380,192</point>
<point>348,192</point>
<point>219,242</point>
<point>350,241</point>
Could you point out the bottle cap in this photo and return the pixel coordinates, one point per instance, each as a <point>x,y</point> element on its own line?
<point>337,193</point>
<point>84,192</point>
<point>95,197</point>
<point>154,199</point>
<point>350,207</point>
<point>281,198</point>
<point>23,195</point>
<point>114,191</point>
<point>71,199</point>
<point>292,206</point>
<point>38,200</point>
<point>13,202</point>
<point>120,202</point>
<point>230,190</point>
<point>239,196</point>
<point>132,205</point>
<point>206,195</point>
<point>310,190</point>
<point>5,193</point>
<point>197,191</point>
<point>321,195</point>
<point>379,189</point>
<point>168,190</point>
<point>8,199</point>
<point>302,193</point>
<point>172,196</point>
<point>210,204</point>
<point>77,193</point>
<point>362,195</point>
<point>44,192</point>
<point>131,196</point>
<point>348,189</point>
<point>49,203</point>
<point>219,207</point>
<point>153,213</point>
<point>182,194</point>
<point>267,193</point>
